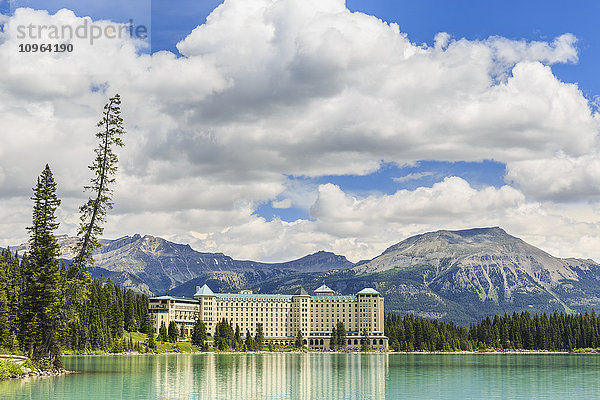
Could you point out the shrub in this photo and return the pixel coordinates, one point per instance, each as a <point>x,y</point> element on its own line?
<point>9,368</point>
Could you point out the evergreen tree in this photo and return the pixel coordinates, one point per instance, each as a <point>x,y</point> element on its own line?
<point>173,332</point>
<point>237,337</point>
<point>224,335</point>
<point>14,296</point>
<point>43,283</point>
<point>163,335</point>
<point>220,336</point>
<point>365,341</point>
<point>118,311</point>
<point>333,343</point>
<point>341,335</point>
<point>5,333</point>
<point>249,341</point>
<point>145,318</point>
<point>151,341</point>
<point>77,281</point>
<point>93,212</point>
<point>199,335</point>
<point>299,340</point>
<point>259,337</point>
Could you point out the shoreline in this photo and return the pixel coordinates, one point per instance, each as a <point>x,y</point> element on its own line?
<point>37,373</point>
<point>493,352</point>
<point>18,367</point>
<point>500,352</point>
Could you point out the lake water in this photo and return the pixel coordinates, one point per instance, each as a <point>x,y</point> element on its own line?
<point>318,376</point>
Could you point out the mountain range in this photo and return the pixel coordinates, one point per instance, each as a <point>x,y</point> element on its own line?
<point>153,265</point>
<point>457,276</point>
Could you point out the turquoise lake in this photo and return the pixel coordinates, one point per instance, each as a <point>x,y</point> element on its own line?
<point>318,376</point>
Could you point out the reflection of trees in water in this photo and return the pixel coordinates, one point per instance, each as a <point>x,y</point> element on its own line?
<point>259,376</point>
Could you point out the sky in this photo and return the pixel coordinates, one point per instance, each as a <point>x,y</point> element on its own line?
<point>270,129</point>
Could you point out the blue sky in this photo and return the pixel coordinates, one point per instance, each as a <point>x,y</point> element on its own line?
<point>324,138</point>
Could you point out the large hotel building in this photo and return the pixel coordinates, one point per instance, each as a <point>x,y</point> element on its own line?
<point>280,315</point>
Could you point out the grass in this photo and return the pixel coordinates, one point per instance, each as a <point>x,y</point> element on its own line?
<point>163,347</point>
<point>135,336</point>
<point>179,347</point>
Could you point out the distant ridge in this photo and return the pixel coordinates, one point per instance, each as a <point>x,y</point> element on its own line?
<point>464,275</point>
<point>454,275</point>
<point>153,265</point>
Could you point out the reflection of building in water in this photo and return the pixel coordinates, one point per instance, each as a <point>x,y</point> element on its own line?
<point>280,315</point>
<point>274,375</point>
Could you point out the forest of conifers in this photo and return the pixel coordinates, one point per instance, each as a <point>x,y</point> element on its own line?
<point>555,332</point>
<point>96,323</point>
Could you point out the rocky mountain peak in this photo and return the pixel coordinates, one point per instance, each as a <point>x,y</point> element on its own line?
<point>444,239</point>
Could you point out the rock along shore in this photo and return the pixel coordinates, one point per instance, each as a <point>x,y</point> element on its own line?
<point>30,373</point>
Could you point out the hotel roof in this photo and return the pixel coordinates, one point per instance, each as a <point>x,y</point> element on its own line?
<point>324,289</point>
<point>300,292</point>
<point>368,291</point>
<point>328,298</point>
<point>174,298</point>
<point>204,291</point>
<point>253,297</point>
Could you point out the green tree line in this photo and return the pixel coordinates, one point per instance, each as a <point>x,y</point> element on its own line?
<point>518,331</point>
<point>97,323</point>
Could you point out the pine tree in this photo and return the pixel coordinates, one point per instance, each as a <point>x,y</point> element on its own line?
<point>365,341</point>
<point>163,335</point>
<point>130,322</point>
<point>93,212</point>
<point>14,294</point>
<point>145,318</point>
<point>333,343</point>
<point>249,341</point>
<point>259,337</point>
<point>341,335</point>
<point>151,341</point>
<point>237,337</point>
<point>76,281</point>
<point>199,335</point>
<point>173,332</point>
<point>299,340</point>
<point>118,312</point>
<point>43,289</point>
<point>5,337</point>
